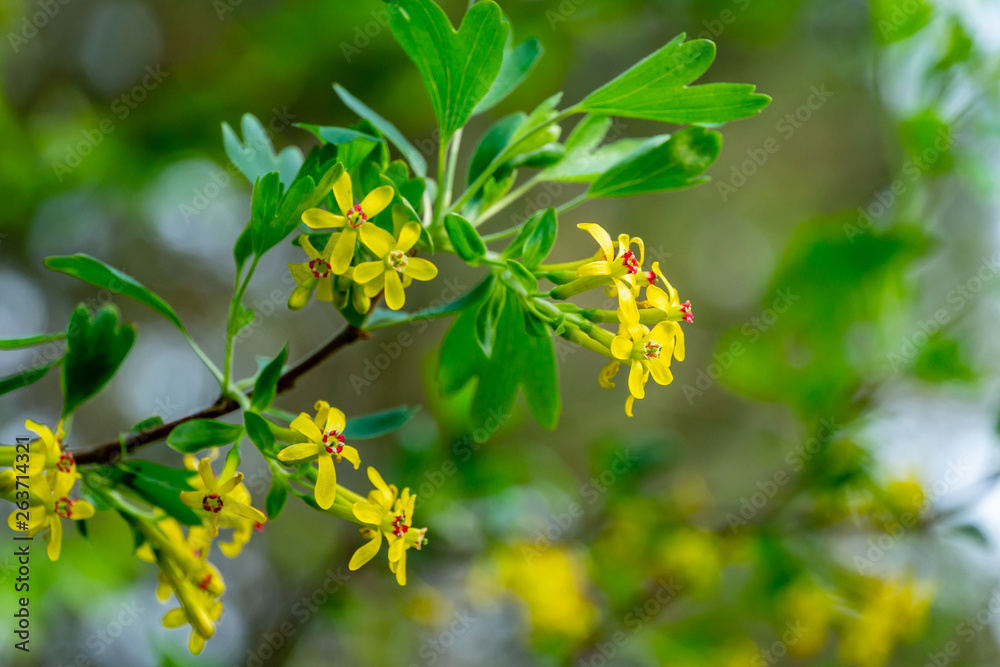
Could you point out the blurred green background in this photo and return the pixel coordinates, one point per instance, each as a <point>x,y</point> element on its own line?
<point>841,372</point>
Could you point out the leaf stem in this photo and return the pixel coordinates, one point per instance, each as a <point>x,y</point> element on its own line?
<point>508,199</point>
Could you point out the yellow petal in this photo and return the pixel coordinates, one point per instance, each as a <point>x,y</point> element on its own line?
<point>408,236</point>
<point>367,512</point>
<point>679,346</point>
<point>196,643</point>
<point>351,454</point>
<point>306,245</point>
<point>54,538</point>
<point>637,380</point>
<point>621,347</point>
<point>317,218</point>
<point>324,289</point>
<point>344,193</point>
<point>207,477</point>
<point>599,268</point>
<point>335,420</point>
<point>304,425</point>
<point>376,239</point>
<point>660,370</point>
<point>81,509</point>
<point>326,483</point>
<point>366,272</point>
<point>174,618</point>
<point>230,484</point>
<point>366,552</point>
<point>192,498</point>
<point>601,237</point>
<point>373,287</point>
<point>395,297</point>
<point>377,200</point>
<point>343,252</point>
<point>243,510</point>
<point>419,268</point>
<point>629,402</point>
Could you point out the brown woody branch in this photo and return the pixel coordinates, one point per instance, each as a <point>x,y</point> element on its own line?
<point>111,452</point>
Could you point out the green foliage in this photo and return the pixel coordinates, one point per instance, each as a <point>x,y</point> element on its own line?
<point>515,68</point>
<point>586,159</point>
<point>93,271</point>
<point>377,424</point>
<point>828,282</point>
<point>658,88</point>
<point>158,485</point>
<point>464,238</point>
<point>540,239</point>
<point>672,165</point>
<point>27,376</point>
<point>458,67</point>
<point>95,348</point>
<point>895,20</point>
<point>260,433</point>
<point>518,361</point>
<point>199,434</point>
<point>927,139</point>
<point>266,386</point>
<point>31,341</point>
<point>255,156</point>
<point>412,155</point>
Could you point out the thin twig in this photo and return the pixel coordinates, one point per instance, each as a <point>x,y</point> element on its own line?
<point>111,452</point>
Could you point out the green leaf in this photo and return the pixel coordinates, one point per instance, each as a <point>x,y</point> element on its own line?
<point>26,377</point>
<point>337,135</point>
<point>276,495</point>
<point>493,142</point>
<point>586,159</point>
<point>255,156</point>
<point>518,360</point>
<point>95,348</point>
<point>517,64</point>
<point>31,341</point>
<point>895,20</point>
<point>95,272</point>
<point>148,422</point>
<point>259,431</point>
<point>158,485</point>
<point>458,68</point>
<point>540,241</point>
<point>522,281</point>
<point>398,139</point>
<point>382,318</point>
<point>378,424</point>
<point>657,88</point>
<point>673,165</point>
<point>927,139</point>
<point>266,386</point>
<point>263,210</point>
<point>243,248</point>
<point>516,247</point>
<point>488,318</point>
<point>193,436</point>
<point>309,192</point>
<point>464,238</point>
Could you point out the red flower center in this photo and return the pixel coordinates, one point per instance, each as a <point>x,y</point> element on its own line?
<point>357,216</point>
<point>212,503</point>
<point>66,462</point>
<point>337,437</point>
<point>203,584</point>
<point>686,311</point>
<point>320,267</point>
<point>64,507</point>
<point>630,261</point>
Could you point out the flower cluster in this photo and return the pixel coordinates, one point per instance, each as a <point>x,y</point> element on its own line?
<point>329,272</point>
<point>221,502</point>
<point>649,334</point>
<point>39,484</point>
<point>384,513</point>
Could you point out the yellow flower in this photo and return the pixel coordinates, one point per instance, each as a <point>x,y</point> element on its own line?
<point>620,268</point>
<point>401,538</point>
<point>397,268</point>
<point>387,512</point>
<point>217,502</point>
<point>326,443</point>
<point>372,511</point>
<point>189,555</point>
<point>894,611</point>
<point>199,608</point>
<point>316,274</point>
<point>355,219</point>
<point>648,352</point>
<point>242,527</point>
<point>47,453</point>
<point>50,501</point>
<point>667,301</point>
